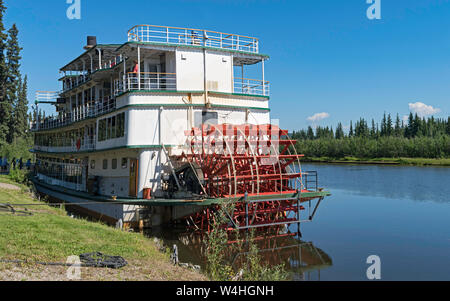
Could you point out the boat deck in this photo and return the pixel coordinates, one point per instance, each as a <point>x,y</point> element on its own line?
<point>304,196</point>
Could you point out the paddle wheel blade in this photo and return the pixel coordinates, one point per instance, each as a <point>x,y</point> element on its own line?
<point>244,165</point>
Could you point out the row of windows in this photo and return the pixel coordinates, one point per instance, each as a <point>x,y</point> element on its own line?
<point>114,163</point>
<point>66,138</point>
<point>67,170</point>
<point>108,128</point>
<point>112,127</point>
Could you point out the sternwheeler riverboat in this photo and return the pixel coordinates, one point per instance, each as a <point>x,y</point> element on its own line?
<point>166,127</point>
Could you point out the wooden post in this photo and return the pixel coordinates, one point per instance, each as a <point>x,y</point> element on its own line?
<point>264,79</point>
<point>124,73</point>
<point>205,81</point>
<point>139,68</point>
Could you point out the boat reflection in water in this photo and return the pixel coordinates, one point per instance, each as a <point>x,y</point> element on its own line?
<point>302,260</point>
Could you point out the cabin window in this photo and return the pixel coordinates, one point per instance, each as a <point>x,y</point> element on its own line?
<point>121,125</point>
<point>105,164</point>
<point>206,117</point>
<point>124,163</point>
<point>114,164</point>
<point>92,164</point>
<point>102,130</point>
<point>112,127</point>
<point>108,131</point>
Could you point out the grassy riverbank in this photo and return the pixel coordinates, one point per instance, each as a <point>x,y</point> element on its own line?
<point>386,161</point>
<point>49,235</point>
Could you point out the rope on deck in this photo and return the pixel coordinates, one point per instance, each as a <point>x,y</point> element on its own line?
<point>9,209</point>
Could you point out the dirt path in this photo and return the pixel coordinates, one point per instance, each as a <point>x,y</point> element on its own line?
<point>134,271</point>
<point>8,186</point>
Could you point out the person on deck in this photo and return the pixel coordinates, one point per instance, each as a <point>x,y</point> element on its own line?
<point>135,71</point>
<point>136,67</point>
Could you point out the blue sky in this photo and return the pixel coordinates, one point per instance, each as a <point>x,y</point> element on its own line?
<point>326,55</point>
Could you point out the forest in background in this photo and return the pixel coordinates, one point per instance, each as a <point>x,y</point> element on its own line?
<point>415,138</point>
<point>15,137</point>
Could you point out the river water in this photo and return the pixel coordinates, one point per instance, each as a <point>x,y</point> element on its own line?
<point>400,214</point>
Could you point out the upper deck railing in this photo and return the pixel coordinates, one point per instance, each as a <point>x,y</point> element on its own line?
<point>145,81</point>
<point>251,86</point>
<point>107,105</point>
<point>46,96</point>
<point>190,36</point>
<point>72,81</point>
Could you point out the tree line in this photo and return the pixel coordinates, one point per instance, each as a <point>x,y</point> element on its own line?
<point>415,138</point>
<point>15,136</point>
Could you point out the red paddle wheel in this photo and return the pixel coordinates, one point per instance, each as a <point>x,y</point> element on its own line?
<point>253,167</point>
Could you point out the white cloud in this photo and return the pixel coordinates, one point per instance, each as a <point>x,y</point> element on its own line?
<point>422,109</point>
<point>318,117</point>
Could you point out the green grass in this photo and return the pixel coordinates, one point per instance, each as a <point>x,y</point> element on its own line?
<point>51,235</point>
<point>394,161</point>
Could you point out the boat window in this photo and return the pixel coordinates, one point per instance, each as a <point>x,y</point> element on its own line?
<point>124,163</point>
<point>206,117</point>
<point>114,164</point>
<point>113,127</point>
<point>121,125</point>
<point>102,130</point>
<point>105,164</point>
<point>108,132</point>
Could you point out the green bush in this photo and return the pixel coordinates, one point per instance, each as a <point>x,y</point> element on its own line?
<point>19,176</point>
<point>20,148</point>
<point>217,252</point>
<point>383,147</point>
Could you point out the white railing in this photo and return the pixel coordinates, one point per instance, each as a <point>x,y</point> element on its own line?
<point>111,63</point>
<point>147,81</point>
<point>190,36</point>
<point>85,145</point>
<point>43,96</point>
<point>251,86</point>
<point>78,114</point>
<point>72,81</point>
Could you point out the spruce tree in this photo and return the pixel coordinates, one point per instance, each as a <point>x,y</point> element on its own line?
<point>310,133</point>
<point>339,131</point>
<point>21,120</point>
<point>13,79</point>
<point>373,130</point>
<point>398,126</point>
<point>409,133</point>
<point>5,107</point>
<point>384,125</point>
<point>448,126</point>
<point>389,126</point>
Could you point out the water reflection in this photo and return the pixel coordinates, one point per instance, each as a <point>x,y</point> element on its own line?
<point>301,259</point>
<point>393,182</point>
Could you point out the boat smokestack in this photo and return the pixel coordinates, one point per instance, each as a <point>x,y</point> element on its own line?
<point>91,42</point>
